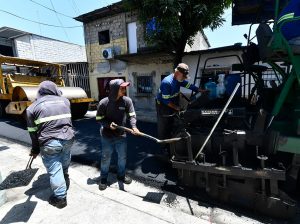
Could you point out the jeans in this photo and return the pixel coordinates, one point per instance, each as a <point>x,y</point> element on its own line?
<point>108,146</point>
<point>56,157</point>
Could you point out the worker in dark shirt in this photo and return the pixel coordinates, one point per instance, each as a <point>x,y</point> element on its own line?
<point>51,130</point>
<point>167,99</point>
<point>113,110</point>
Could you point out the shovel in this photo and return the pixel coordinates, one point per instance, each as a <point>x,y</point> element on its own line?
<point>170,140</point>
<point>19,178</point>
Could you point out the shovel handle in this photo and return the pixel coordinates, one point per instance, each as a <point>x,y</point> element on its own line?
<point>148,136</point>
<point>28,166</point>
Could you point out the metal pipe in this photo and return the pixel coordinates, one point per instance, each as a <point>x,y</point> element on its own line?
<point>219,118</point>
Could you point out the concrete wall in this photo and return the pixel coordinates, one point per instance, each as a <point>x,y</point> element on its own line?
<point>199,43</point>
<point>45,49</point>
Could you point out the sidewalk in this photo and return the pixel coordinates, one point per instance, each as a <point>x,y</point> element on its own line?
<point>86,204</point>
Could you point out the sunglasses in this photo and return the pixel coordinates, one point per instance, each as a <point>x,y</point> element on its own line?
<point>183,71</point>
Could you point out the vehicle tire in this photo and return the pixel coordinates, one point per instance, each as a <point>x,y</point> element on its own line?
<point>78,110</point>
<point>2,109</point>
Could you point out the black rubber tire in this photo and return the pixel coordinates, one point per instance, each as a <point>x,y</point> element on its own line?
<point>3,104</point>
<point>78,110</point>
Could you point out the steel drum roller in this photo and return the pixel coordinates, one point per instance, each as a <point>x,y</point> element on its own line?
<point>29,93</point>
<point>25,93</point>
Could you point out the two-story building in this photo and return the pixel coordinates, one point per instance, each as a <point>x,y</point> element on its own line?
<point>116,48</point>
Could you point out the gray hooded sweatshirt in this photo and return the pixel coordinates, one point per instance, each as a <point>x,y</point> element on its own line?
<point>112,110</point>
<point>49,117</point>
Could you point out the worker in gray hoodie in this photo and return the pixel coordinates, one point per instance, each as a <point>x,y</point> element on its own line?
<point>114,110</point>
<point>51,131</point>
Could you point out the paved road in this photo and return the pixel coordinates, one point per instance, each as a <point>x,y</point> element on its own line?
<point>86,150</point>
<point>142,163</point>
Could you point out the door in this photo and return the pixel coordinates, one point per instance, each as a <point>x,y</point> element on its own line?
<point>103,86</point>
<point>132,39</point>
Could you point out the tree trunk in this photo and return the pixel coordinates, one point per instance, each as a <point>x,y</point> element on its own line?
<point>179,49</point>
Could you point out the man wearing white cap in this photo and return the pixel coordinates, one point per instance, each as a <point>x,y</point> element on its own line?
<point>167,99</point>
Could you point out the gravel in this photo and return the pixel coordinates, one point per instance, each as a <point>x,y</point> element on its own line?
<point>18,179</point>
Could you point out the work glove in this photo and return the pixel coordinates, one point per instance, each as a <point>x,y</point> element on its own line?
<point>34,152</point>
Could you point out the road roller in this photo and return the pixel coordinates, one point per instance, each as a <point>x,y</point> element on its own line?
<point>19,81</point>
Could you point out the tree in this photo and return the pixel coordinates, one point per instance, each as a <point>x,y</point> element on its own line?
<point>171,24</point>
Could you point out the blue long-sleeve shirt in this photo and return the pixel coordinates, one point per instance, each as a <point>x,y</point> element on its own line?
<point>290,30</point>
<point>170,88</point>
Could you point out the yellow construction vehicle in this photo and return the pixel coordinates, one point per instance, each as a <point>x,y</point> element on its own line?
<point>19,81</point>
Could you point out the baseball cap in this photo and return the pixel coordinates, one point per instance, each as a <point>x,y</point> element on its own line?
<point>125,84</point>
<point>183,68</point>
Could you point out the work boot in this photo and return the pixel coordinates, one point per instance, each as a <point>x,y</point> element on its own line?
<point>103,184</point>
<point>125,179</point>
<point>57,202</point>
<point>67,180</point>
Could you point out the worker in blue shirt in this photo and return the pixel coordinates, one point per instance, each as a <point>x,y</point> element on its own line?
<point>291,29</point>
<point>167,99</point>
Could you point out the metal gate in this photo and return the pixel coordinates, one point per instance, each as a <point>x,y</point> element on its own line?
<point>77,75</point>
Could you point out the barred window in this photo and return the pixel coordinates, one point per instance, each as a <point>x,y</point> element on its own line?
<point>144,84</point>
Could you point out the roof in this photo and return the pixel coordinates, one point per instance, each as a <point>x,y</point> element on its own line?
<point>11,33</point>
<point>24,62</point>
<point>155,55</point>
<point>235,47</point>
<point>109,10</point>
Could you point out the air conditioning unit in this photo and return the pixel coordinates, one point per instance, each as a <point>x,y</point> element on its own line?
<point>108,53</point>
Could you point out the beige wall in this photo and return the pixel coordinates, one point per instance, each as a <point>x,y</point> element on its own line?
<point>156,70</point>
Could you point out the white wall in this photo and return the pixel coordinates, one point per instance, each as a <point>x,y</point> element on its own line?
<point>198,44</point>
<point>45,49</point>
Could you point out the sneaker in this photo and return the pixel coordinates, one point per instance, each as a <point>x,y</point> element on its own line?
<point>125,179</point>
<point>57,202</point>
<point>67,179</point>
<point>103,184</point>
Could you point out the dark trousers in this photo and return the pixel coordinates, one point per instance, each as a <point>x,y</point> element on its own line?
<point>165,123</point>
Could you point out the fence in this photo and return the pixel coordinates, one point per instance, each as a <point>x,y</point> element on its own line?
<point>77,75</point>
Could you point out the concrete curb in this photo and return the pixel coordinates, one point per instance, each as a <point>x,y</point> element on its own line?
<point>2,193</point>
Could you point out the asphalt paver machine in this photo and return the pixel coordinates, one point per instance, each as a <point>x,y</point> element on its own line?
<point>247,155</point>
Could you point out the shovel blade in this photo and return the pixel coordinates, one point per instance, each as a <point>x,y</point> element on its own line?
<point>18,179</point>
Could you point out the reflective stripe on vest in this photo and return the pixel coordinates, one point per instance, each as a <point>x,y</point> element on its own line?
<point>52,118</point>
<point>169,96</point>
<point>32,129</point>
<point>188,85</point>
<point>131,114</point>
<point>99,118</point>
<point>286,16</point>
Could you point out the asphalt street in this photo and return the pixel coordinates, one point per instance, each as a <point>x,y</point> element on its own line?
<point>141,162</point>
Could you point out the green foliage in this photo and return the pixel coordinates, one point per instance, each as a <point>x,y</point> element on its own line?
<point>178,21</point>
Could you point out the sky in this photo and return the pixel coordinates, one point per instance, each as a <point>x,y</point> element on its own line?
<point>36,10</point>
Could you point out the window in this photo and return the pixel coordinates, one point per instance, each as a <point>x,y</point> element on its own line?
<point>144,85</point>
<point>104,37</point>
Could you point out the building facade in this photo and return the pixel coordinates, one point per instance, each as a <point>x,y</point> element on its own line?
<point>26,45</point>
<point>116,48</point>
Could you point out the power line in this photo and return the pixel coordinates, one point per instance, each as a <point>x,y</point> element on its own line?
<point>45,24</point>
<point>53,10</point>
<point>60,21</point>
